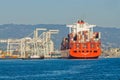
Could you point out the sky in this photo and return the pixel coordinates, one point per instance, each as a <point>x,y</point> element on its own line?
<point>100,12</point>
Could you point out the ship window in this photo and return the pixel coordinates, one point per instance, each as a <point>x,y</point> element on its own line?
<point>83,51</point>
<point>87,51</point>
<point>95,51</point>
<point>75,51</point>
<point>90,51</point>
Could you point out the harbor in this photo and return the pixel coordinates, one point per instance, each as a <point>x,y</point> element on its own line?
<point>44,42</point>
<point>39,46</point>
<point>82,43</point>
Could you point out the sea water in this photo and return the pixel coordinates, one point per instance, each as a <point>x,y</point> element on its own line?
<point>60,69</point>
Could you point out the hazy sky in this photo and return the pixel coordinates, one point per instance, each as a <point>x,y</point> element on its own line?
<point>99,12</point>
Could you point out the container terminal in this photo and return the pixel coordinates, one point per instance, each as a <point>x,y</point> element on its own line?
<point>39,46</point>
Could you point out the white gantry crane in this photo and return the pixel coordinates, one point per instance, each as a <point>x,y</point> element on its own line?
<point>38,46</point>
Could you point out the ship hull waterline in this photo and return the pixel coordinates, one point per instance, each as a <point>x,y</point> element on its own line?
<point>79,55</point>
<point>84,55</point>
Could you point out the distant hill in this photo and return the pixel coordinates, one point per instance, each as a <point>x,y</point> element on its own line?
<point>110,36</point>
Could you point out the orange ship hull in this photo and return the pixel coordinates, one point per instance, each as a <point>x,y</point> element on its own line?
<point>85,50</point>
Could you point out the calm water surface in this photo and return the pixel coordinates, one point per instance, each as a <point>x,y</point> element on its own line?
<point>60,69</point>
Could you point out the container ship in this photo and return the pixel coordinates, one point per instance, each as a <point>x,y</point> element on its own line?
<point>82,42</point>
